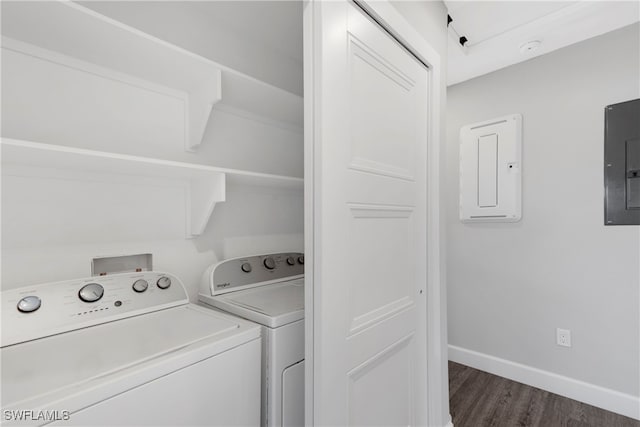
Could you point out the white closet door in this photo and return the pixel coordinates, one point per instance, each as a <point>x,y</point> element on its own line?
<point>369,198</point>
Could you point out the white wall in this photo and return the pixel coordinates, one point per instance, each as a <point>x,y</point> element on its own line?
<point>57,243</point>
<point>430,19</point>
<point>511,285</point>
<point>53,227</point>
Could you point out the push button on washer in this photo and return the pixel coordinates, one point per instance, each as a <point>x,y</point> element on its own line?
<point>29,304</point>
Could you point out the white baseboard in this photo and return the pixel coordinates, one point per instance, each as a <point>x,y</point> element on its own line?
<point>611,400</point>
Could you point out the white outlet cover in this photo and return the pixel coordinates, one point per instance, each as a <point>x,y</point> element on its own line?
<point>563,337</point>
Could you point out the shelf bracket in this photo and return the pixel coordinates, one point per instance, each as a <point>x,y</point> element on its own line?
<point>204,193</point>
<point>199,110</point>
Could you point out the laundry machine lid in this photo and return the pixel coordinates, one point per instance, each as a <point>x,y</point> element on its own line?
<point>271,305</point>
<point>46,369</point>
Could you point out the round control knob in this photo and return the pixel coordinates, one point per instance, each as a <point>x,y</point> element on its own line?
<point>164,282</point>
<point>140,285</point>
<point>269,263</point>
<point>91,292</point>
<point>301,259</point>
<point>246,267</point>
<point>291,261</point>
<point>29,304</point>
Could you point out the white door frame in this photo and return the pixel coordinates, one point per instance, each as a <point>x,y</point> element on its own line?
<point>394,23</point>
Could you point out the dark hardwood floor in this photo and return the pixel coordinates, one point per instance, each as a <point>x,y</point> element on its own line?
<point>479,399</point>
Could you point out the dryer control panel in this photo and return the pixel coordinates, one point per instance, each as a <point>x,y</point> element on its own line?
<point>248,272</point>
<point>38,311</point>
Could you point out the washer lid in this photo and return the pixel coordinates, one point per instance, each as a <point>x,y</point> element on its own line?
<point>55,366</point>
<point>271,305</point>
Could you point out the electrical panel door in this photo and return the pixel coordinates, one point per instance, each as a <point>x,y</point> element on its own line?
<point>622,163</point>
<point>490,162</point>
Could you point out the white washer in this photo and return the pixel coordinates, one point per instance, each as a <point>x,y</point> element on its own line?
<point>125,349</point>
<point>268,289</point>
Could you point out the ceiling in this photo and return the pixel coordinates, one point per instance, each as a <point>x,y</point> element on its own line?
<point>503,33</point>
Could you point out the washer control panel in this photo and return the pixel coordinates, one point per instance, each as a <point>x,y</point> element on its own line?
<point>42,310</point>
<point>246,272</point>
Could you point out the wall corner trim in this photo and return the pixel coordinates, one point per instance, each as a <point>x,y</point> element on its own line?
<point>605,398</point>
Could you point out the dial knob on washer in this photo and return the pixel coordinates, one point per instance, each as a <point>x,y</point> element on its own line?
<point>269,263</point>
<point>29,304</point>
<point>246,267</point>
<point>301,259</point>
<point>290,260</point>
<point>164,282</point>
<point>140,285</point>
<point>91,292</point>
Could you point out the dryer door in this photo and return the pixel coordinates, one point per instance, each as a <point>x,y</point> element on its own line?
<point>293,395</point>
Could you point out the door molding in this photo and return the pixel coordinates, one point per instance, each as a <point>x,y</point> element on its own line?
<point>436,411</point>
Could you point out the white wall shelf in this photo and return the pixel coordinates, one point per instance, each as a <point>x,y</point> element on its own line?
<point>77,32</point>
<point>46,29</point>
<point>206,184</point>
<point>263,100</point>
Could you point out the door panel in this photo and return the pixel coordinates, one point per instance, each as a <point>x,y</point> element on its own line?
<point>369,198</point>
<point>392,367</point>
<point>379,97</point>
<point>377,291</point>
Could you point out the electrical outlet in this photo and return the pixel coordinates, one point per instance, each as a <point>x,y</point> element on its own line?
<point>563,337</point>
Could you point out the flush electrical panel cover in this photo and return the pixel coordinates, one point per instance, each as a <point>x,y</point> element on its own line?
<point>490,162</point>
<point>622,163</point>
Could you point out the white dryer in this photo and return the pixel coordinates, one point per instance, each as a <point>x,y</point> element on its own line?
<point>125,349</point>
<point>268,289</point>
